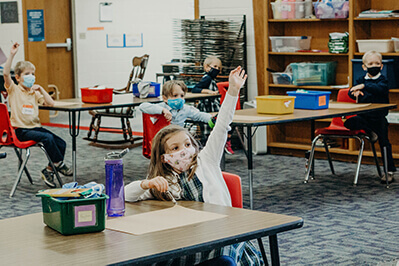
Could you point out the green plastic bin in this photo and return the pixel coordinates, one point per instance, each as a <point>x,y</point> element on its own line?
<point>316,73</point>
<point>74,216</point>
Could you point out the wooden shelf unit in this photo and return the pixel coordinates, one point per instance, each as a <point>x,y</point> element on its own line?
<point>295,138</point>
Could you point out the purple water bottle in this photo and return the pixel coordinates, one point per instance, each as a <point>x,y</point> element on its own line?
<point>114,187</point>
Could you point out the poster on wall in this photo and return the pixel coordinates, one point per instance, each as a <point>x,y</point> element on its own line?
<point>9,12</point>
<point>35,25</point>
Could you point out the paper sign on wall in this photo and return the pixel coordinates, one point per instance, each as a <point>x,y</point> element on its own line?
<point>35,25</point>
<point>124,40</point>
<point>106,12</point>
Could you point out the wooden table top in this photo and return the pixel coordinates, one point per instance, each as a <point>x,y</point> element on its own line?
<point>119,100</point>
<point>26,240</point>
<point>250,117</point>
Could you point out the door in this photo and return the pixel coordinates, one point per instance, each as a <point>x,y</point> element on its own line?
<point>52,58</point>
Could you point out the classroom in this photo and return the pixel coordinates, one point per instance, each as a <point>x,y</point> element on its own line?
<point>311,190</point>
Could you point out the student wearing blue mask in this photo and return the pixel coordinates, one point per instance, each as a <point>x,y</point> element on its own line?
<point>24,99</point>
<point>173,106</point>
<point>373,88</point>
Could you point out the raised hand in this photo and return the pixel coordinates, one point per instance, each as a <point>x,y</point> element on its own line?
<point>14,48</point>
<point>237,79</point>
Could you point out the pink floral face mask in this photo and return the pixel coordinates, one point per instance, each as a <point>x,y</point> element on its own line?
<point>180,160</point>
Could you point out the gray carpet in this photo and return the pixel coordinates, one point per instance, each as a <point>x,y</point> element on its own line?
<point>344,225</point>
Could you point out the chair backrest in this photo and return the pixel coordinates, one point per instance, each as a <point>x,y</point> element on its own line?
<point>222,87</point>
<point>233,183</point>
<point>151,125</point>
<point>138,70</point>
<point>344,97</point>
<point>7,134</point>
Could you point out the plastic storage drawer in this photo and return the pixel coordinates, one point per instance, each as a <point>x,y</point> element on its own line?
<point>312,100</point>
<point>390,67</point>
<point>290,43</point>
<point>74,216</point>
<point>317,73</point>
<point>382,46</point>
<point>275,104</point>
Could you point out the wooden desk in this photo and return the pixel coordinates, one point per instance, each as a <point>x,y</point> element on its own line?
<point>75,106</point>
<point>25,240</point>
<point>249,118</point>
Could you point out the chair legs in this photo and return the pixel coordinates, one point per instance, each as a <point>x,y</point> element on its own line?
<point>21,169</point>
<point>359,159</point>
<point>51,164</point>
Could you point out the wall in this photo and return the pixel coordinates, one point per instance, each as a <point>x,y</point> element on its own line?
<point>225,8</point>
<point>13,32</point>
<point>98,64</point>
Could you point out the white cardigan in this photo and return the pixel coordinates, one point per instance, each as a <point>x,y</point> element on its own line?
<point>208,171</point>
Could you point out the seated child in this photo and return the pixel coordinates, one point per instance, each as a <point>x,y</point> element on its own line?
<point>24,100</point>
<point>173,107</point>
<point>179,167</point>
<point>212,67</point>
<point>373,88</point>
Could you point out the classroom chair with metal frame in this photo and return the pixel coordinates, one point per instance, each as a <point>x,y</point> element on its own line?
<point>8,138</point>
<point>126,113</point>
<point>233,183</point>
<point>337,130</point>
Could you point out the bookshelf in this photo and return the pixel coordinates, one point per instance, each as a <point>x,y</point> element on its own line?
<point>295,138</point>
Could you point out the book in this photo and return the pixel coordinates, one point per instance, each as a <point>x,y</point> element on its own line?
<point>375,13</point>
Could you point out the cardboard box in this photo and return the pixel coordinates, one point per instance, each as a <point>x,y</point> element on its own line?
<point>275,104</point>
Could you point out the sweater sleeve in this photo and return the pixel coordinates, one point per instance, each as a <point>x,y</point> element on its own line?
<point>134,192</point>
<point>196,115</point>
<point>214,147</point>
<point>152,109</point>
<point>204,83</point>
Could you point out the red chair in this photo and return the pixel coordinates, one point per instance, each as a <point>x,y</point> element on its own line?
<point>233,183</point>
<point>151,125</point>
<point>222,87</point>
<point>337,130</point>
<point>8,138</point>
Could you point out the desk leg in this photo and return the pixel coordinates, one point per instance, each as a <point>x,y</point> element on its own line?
<point>74,132</point>
<point>274,250</point>
<point>250,166</point>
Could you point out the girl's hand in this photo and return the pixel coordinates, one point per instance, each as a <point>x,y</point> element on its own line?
<point>159,183</point>
<point>14,48</point>
<point>237,79</point>
<point>167,114</point>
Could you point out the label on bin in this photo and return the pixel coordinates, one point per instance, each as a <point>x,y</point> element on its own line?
<point>85,215</point>
<point>287,104</point>
<point>322,100</point>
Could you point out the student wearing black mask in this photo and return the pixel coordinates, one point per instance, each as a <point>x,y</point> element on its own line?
<point>373,88</point>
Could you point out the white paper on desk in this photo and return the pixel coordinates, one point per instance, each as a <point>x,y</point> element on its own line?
<point>164,219</point>
<point>58,103</point>
<point>252,118</point>
<point>347,105</point>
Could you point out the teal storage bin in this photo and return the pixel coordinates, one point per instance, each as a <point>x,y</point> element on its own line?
<point>155,90</point>
<point>74,216</point>
<point>316,73</point>
<point>312,100</point>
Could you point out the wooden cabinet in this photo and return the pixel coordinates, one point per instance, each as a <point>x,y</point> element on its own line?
<point>295,138</point>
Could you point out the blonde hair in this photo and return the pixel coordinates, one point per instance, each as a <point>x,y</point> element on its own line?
<point>370,53</point>
<point>158,167</point>
<point>21,66</point>
<point>211,59</point>
<point>167,88</point>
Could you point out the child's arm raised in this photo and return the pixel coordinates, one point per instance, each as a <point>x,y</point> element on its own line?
<point>7,67</point>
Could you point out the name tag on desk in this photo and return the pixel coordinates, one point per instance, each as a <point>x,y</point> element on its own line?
<point>27,109</point>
